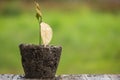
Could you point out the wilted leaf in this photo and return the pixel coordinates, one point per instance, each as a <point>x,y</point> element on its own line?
<point>46,33</point>
<point>38,14</point>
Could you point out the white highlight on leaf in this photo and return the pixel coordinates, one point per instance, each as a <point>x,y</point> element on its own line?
<point>46,33</point>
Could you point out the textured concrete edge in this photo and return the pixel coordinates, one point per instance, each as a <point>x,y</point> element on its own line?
<point>66,77</point>
<point>91,77</point>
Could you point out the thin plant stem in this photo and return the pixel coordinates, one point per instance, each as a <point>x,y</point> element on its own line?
<point>39,17</point>
<point>39,34</point>
<point>40,20</point>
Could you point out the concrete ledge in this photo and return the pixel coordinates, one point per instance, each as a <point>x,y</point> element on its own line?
<point>66,77</point>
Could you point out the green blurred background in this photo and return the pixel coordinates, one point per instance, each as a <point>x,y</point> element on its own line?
<point>88,30</point>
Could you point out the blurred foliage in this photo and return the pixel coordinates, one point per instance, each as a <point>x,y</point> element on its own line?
<point>90,38</point>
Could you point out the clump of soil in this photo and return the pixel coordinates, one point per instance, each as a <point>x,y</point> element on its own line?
<point>40,62</point>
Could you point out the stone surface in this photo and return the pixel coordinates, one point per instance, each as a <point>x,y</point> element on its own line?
<point>66,77</point>
<point>39,61</point>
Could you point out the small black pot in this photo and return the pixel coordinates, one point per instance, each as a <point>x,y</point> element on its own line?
<point>40,62</point>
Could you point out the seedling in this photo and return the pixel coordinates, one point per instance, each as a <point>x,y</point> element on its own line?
<point>40,61</point>
<point>45,30</point>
